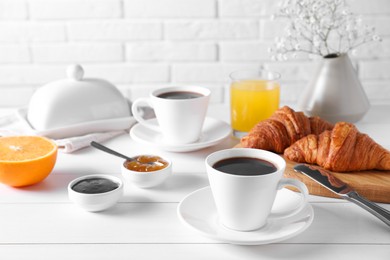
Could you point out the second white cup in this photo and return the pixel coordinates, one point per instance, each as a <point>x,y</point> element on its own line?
<point>244,183</point>
<point>180,112</point>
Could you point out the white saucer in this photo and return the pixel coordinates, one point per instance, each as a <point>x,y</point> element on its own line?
<point>213,132</point>
<point>197,211</point>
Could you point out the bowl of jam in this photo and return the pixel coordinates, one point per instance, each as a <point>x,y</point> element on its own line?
<point>95,192</point>
<point>146,171</point>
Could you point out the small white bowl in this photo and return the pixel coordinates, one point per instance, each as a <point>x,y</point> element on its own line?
<point>147,179</point>
<point>97,201</point>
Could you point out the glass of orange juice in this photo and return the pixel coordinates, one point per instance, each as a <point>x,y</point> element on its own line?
<point>254,96</point>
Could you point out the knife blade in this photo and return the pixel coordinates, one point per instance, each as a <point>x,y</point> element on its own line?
<point>332,183</point>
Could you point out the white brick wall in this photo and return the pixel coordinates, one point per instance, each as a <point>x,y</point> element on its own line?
<point>211,29</point>
<point>140,45</point>
<point>171,51</point>
<point>74,9</point>
<point>169,9</point>
<point>13,10</point>
<point>119,30</point>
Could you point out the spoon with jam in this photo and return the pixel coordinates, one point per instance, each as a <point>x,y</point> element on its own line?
<point>141,163</point>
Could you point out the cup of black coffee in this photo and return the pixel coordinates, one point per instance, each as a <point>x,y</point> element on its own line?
<point>244,183</point>
<point>180,112</point>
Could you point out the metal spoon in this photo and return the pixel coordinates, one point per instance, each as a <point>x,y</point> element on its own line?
<point>108,150</point>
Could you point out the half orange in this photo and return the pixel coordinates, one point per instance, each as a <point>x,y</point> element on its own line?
<point>26,160</point>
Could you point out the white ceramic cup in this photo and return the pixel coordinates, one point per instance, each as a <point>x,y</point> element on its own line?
<point>179,120</point>
<point>244,202</point>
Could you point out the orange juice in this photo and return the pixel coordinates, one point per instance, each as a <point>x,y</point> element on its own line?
<point>252,101</point>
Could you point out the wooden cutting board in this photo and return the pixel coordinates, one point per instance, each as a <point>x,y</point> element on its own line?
<point>374,185</point>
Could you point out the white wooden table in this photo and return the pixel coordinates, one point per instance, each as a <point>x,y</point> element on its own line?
<point>39,222</point>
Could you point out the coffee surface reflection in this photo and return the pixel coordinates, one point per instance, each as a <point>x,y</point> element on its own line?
<point>180,95</point>
<point>246,166</point>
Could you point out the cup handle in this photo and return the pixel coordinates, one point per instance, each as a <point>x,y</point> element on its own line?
<point>137,115</point>
<point>303,190</point>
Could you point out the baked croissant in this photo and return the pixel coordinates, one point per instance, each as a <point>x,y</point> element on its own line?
<point>343,149</point>
<point>282,129</point>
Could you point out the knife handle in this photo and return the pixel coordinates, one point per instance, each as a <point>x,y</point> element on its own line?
<point>373,208</point>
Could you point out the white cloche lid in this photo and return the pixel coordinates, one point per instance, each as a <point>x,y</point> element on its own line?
<point>75,100</point>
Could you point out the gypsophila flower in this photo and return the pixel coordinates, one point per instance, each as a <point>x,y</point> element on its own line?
<point>320,27</point>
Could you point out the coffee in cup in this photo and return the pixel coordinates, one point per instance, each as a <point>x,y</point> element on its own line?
<point>245,166</point>
<point>244,183</point>
<point>180,95</point>
<point>180,112</point>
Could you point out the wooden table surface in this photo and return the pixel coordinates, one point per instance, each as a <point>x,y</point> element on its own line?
<point>39,222</point>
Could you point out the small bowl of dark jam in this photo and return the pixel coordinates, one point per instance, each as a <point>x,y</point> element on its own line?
<point>146,171</point>
<point>95,192</point>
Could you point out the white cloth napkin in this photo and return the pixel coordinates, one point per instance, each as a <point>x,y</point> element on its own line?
<point>13,124</point>
<point>72,144</point>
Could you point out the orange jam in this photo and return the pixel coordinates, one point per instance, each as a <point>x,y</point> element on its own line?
<point>146,163</point>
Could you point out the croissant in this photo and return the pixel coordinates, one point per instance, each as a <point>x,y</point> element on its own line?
<point>343,149</point>
<point>282,129</point>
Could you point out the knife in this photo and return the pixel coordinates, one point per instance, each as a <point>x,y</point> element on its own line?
<point>329,181</point>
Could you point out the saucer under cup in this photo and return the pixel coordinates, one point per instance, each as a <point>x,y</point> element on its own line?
<point>197,211</point>
<point>214,131</point>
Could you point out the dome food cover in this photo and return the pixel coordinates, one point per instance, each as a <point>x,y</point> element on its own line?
<point>77,101</point>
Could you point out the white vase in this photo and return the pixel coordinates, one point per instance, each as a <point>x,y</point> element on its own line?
<point>335,92</point>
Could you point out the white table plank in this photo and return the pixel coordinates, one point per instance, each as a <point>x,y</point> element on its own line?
<point>193,252</point>
<point>158,223</point>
